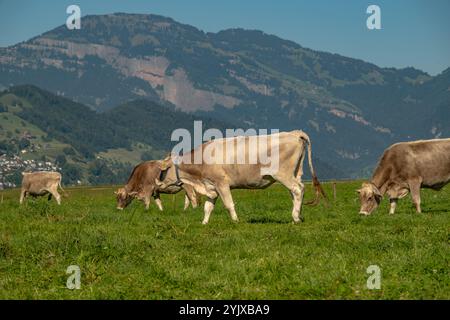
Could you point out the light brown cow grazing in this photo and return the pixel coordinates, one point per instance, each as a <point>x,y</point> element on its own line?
<point>142,185</point>
<point>41,183</point>
<point>407,167</point>
<point>249,170</point>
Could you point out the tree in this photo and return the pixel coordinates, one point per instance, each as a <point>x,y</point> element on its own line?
<point>71,173</point>
<point>69,151</point>
<point>15,177</point>
<point>7,147</point>
<point>100,173</point>
<point>24,143</point>
<point>46,138</point>
<point>60,160</point>
<point>146,155</point>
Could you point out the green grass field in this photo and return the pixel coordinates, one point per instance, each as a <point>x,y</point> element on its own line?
<point>136,254</point>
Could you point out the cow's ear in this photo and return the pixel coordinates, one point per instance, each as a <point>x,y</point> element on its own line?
<point>115,192</point>
<point>358,191</point>
<point>168,156</point>
<point>164,164</point>
<point>378,198</point>
<point>377,195</point>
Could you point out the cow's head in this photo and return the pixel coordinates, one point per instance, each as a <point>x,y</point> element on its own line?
<point>370,198</point>
<point>124,198</point>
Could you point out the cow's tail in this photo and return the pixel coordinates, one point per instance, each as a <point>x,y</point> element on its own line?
<point>317,186</point>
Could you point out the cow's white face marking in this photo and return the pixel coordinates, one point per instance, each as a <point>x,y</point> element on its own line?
<point>370,198</point>
<point>123,198</point>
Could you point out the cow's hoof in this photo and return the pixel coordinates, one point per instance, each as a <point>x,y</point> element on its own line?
<point>204,222</point>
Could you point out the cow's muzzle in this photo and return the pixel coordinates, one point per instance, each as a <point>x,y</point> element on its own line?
<point>364,213</point>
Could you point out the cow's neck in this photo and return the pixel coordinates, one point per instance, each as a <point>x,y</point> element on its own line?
<point>380,180</point>
<point>187,171</point>
<point>129,188</point>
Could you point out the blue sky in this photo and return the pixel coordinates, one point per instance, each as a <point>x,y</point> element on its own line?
<point>414,32</point>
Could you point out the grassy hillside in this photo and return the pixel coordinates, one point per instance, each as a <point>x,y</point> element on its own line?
<point>42,131</point>
<point>91,147</point>
<point>88,147</point>
<point>13,128</point>
<point>136,254</point>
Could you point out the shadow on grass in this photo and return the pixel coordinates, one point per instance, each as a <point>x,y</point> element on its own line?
<point>262,220</point>
<point>433,211</point>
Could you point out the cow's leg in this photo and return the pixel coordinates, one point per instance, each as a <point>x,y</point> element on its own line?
<point>225,193</point>
<point>414,187</point>
<point>209,206</point>
<point>54,191</point>
<point>57,197</point>
<point>146,200</point>
<point>297,190</point>
<point>393,202</point>
<point>186,202</point>
<point>145,195</point>
<point>158,201</point>
<point>23,194</point>
<point>298,193</point>
<point>191,197</point>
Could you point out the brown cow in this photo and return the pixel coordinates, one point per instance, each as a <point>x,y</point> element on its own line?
<point>407,167</point>
<point>41,183</point>
<point>242,163</point>
<point>142,185</point>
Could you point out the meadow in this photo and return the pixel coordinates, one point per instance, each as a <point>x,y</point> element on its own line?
<point>138,254</point>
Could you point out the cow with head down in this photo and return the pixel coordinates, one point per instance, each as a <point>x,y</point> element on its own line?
<point>243,162</point>
<point>142,185</point>
<point>407,167</point>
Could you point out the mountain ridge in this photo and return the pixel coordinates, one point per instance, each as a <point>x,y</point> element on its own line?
<point>352,109</point>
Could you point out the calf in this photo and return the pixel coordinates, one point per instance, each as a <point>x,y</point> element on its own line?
<point>41,183</point>
<point>407,167</point>
<point>142,185</point>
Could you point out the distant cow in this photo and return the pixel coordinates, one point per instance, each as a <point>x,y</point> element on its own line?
<point>215,178</point>
<point>142,185</point>
<point>41,183</point>
<point>407,167</point>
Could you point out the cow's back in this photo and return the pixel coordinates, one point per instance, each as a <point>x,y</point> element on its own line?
<point>433,161</point>
<point>142,175</point>
<point>37,182</point>
<point>427,159</point>
<point>244,169</point>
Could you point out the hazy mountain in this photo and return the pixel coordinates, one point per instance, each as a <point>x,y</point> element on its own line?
<point>351,109</point>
